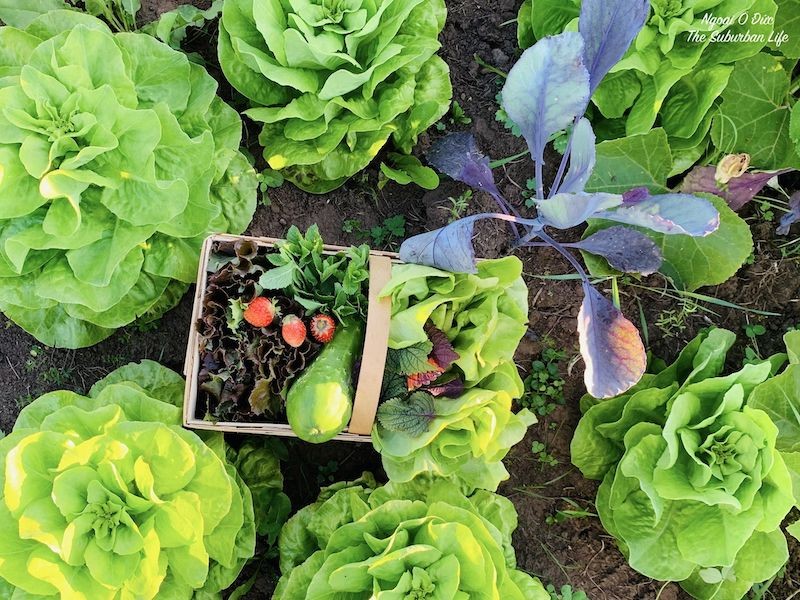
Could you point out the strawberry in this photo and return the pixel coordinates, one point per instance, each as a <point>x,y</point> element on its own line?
<point>293,331</point>
<point>418,380</point>
<point>322,328</point>
<point>260,312</point>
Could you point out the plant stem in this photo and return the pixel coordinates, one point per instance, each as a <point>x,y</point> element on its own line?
<point>565,253</point>
<point>504,161</point>
<point>489,67</point>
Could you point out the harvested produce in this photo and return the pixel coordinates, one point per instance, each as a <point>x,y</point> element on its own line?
<point>260,312</point>
<point>274,369</point>
<point>422,539</point>
<point>293,331</point>
<point>322,328</point>
<point>450,376</point>
<point>319,404</point>
<point>117,160</point>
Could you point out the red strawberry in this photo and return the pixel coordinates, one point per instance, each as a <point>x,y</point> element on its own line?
<point>293,331</point>
<point>418,380</point>
<point>322,328</point>
<point>260,312</point>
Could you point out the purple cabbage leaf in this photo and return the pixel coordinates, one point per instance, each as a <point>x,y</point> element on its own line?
<point>610,345</point>
<point>736,193</point>
<point>608,27</point>
<point>626,250</point>
<point>792,217</point>
<point>667,213</point>
<point>546,91</point>
<point>564,211</point>
<point>581,159</point>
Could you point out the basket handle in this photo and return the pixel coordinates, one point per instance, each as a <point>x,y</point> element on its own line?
<point>376,346</point>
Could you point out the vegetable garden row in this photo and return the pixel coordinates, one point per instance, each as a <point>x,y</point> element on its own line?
<point>486,301</point>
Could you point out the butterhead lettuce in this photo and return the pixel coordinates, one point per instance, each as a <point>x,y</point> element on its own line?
<point>107,496</point>
<point>484,316</point>
<point>116,160</point>
<point>333,80</point>
<point>694,487</point>
<point>423,540</point>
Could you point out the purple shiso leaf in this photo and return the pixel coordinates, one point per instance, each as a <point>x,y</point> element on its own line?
<point>669,214</point>
<point>547,89</point>
<point>738,191</point>
<point>610,345</point>
<point>792,217</point>
<point>635,195</point>
<point>450,247</point>
<point>608,27</point>
<point>581,160</point>
<point>625,249</point>
<point>563,211</point>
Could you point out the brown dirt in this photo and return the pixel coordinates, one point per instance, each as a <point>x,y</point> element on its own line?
<point>575,552</point>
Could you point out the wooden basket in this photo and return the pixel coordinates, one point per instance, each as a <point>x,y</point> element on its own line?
<point>376,339</point>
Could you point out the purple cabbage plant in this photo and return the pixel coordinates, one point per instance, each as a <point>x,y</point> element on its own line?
<point>548,92</point>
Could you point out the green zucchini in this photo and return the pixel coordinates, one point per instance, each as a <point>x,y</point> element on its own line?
<point>319,404</point>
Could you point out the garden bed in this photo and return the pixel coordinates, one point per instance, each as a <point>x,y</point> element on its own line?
<point>559,538</point>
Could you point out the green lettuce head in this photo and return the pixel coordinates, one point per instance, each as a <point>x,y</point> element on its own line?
<point>116,160</point>
<point>694,488</point>
<point>422,540</point>
<point>107,496</point>
<point>484,316</point>
<point>333,80</point>
<point>675,71</point>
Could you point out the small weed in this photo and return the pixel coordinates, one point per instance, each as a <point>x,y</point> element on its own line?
<point>34,360</point>
<point>384,235</point>
<point>457,116</point>
<point>529,193</point>
<point>55,376</point>
<point>544,387</point>
<point>326,474</point>
<point>458,206</point>
<point>539,450</point>
<point>23,401</point>
<point>766,210</point>
<point>565,593</point>
<point>752,353</point>
<point>115,360</point>
<point>575,511</point>
<point>267,180</point>
<point>673,322</point>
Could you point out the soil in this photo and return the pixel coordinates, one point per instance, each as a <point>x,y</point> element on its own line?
<point>576,551</point>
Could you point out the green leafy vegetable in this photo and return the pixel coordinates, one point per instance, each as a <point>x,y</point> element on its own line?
<point>483,316</point>
<point>695,485</point>
<point>412,416</point>
<point>108,496</point>
<point>407,169</point>
<point>333,80</point>
<point>258,464</point>
<point>117,160</point>
<point>335,283</point>
<point>172,26</point>
<point>755,113</point>
<point>424,539</point>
